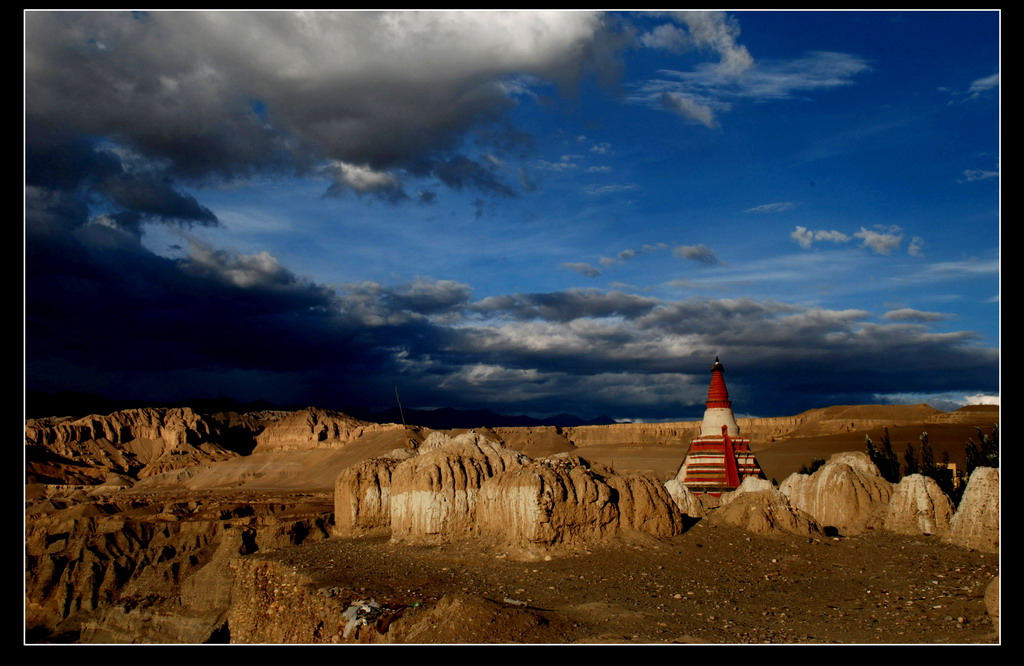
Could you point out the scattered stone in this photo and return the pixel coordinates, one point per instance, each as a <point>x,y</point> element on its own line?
<point>992,600</point>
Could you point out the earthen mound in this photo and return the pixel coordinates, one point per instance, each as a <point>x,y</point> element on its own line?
<point>918,506</point>
<point>471,486</point>
<point>765,512</point>
<point>751,484</point>
<point>976,522</point>
<point>113,484</point>
<point>847,493</point>
<point>467,618</point>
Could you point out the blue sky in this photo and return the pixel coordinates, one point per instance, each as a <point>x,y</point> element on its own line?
<point>529,212</point>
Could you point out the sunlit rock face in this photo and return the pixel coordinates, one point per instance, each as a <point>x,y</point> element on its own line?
<point>918,506</point>
<point>976,522</point>
<point>847,493</point>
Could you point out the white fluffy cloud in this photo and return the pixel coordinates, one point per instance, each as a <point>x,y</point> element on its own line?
<point>364,180</point>
<point>982,399</point>
<point>688,108</point>
<point>805,237</point>
<point>883,241</point>
<point>909,314</point>
<point>709,31</point>
<point>247,271</point>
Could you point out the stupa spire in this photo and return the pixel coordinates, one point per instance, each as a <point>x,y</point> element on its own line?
<point>718,394</point>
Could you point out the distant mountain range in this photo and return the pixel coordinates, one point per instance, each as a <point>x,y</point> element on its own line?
<point>67,403</point>
<point>446,417</point>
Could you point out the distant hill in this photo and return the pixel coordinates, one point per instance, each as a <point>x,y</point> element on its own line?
<point>68,403</point>
<point>446,418</point>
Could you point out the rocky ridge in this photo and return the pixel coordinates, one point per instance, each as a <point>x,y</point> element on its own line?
<point>148,569</point>
<point>134,442</point>
<point>315,428</point>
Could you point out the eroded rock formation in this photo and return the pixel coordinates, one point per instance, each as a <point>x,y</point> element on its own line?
<point>686,500</point>
<point>751,484</point>
<point>918,506</point>
<point>362,494</point>
<point>472,486</point>
<point>315,428</point>
<point>134,442</point>
<point>113,556</point>
<point>847,493</point>
<point>976,521</point>
<point>434,495</point>
<point>765,512</point>
<point>566,501</point>
<point>143,571</point>
<point>992,600</point>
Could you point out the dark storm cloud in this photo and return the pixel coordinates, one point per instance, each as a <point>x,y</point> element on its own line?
<point>567,305</point>
<point>226,95</point>
<point>375,305</point>
<point>106,315</point>
<point>131,193</point>
<point>790,358</point>
<point>55,160</point>
<point>460,172</point>
<point>147,195</point>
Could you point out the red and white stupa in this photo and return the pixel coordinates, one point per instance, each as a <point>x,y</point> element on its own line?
<point>718,459</point>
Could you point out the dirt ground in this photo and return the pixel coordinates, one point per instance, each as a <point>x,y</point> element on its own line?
<point>709,585</point>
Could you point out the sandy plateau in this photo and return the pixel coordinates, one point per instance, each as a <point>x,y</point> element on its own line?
<point>170,526</point>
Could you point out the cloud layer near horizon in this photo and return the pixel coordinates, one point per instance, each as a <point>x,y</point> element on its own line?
<point>221,322</point>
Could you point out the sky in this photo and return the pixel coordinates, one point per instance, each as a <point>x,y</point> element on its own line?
<point>529,212</point>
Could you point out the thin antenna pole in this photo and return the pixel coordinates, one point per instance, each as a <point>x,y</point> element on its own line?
<point>400,412</point>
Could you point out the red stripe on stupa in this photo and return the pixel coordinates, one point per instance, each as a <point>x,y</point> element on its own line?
<point>732,475</point>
